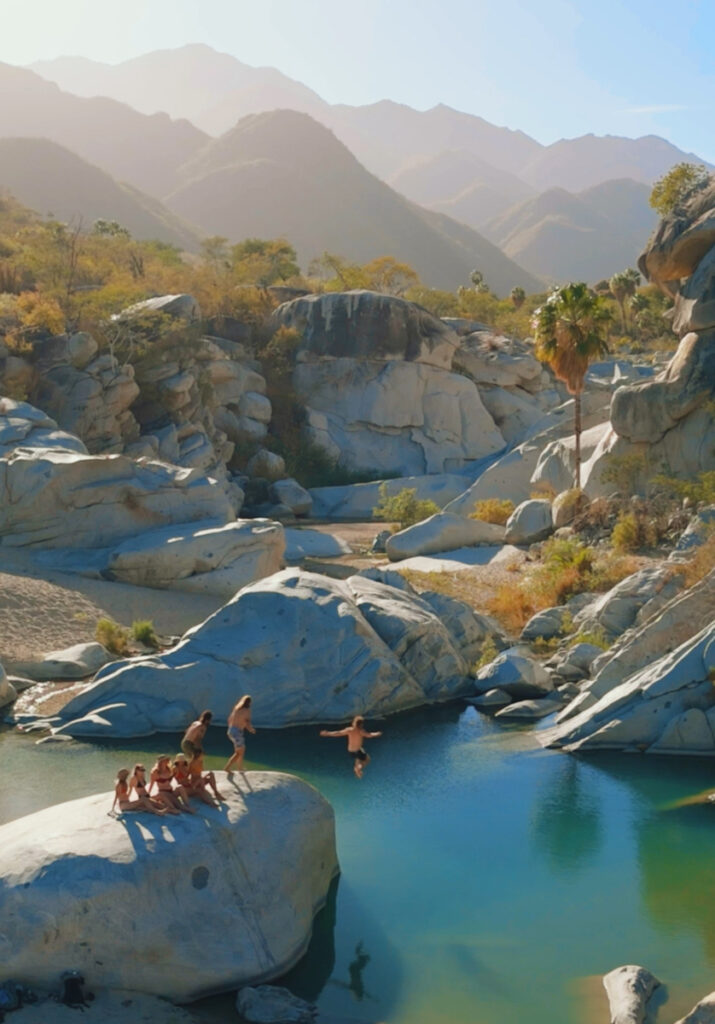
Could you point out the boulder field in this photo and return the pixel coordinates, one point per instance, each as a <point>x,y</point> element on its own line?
<point>176,907</point>
<point>308,648</point>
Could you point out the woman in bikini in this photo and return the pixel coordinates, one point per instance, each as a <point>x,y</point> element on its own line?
<point>162,776</point>
<point>137,784</point>
<point>239,722</point>
<point>121,797</point>
<point>356,733</point>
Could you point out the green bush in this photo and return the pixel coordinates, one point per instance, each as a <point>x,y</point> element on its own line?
<point>622,470</point>
<point>403,508</point>
<point>143,631</point>
<point>701,488</point>
<point>634,530</point>
<point>487,653</point>
<point>493,510</point>
<point>112,636</point>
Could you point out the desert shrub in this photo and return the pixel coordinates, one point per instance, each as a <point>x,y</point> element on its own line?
<point>493,510</point>
<point>701,488</point>
<point>143,631</point>
<point>112,636</point>
<point>596,636</point>
<point>622,470</point>
<point>487,653</point>
<point>633,531</point>
<point>702,561</point>
<point>543,491</point>
<point>404,508</point>
<point>544,645</point>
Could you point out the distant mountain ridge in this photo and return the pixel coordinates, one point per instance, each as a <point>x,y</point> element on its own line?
<point>215,90</point>
<point>76,190</point>
<point>282,174</point>
<point>588,235</point>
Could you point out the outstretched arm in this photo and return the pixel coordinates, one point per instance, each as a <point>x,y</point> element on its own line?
<point>371,735</point>
<point>339,732</point>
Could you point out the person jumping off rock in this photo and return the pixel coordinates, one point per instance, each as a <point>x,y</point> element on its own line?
<point>355,733</point>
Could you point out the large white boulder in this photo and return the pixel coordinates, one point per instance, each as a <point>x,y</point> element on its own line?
<point>634,599</point>
<point>24,426</point>
<point>56,498</point>
<point>76,662</point>
<point>517,674</point>
<point>307,647</point>
<point>629,988</point>
<point>128,901</point>
<point>217,558</point>
<point>443,531</point>
<point>529,522</point>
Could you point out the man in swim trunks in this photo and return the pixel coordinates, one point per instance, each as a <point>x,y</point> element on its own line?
<point>193,741</point>
<point>239,721</point>
<point>355,733</point>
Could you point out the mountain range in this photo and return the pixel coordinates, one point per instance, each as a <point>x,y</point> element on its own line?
<point>201,131</point>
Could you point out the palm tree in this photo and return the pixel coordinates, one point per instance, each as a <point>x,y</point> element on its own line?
<point>623,286</point>
<point>569,331</point>
<point>517,296</point>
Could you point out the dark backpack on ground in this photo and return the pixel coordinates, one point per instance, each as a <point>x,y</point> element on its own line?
<point>73,989</point>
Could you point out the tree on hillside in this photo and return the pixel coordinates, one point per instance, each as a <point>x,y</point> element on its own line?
<point>261,262</point>
<point>569,331</point>
<point>623,287</point>
<point>676,186</point>
<point>517,296</point>
<point>389,276</point>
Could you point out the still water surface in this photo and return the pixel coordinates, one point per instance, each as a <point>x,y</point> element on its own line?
<point>484,881</point>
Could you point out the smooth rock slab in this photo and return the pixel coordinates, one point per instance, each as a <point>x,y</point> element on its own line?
<point>529,522</point>
<point>531,710</point>
<point>517,674</point>
<point>128,902</point>
<point>443,531</point>
<point>76,662</point>
<point>702,1013</point>
<point>495,698</point>
<point>629,988</point>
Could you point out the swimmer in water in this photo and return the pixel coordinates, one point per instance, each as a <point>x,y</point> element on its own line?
<point>355,733</point>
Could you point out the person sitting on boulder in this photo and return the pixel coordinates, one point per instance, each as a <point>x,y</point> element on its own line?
<point>191,777</point>
<point>161,777</point>
<point>239,722</point>
<point>355,733</point>
<point>121,797</point>
<point>193,741</point>
<point>137,784</point>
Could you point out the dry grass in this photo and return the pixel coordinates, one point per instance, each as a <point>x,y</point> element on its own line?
<point>493,510</point>
<point>702,562</point>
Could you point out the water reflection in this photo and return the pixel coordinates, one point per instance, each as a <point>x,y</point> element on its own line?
<point>310,975</point>
<point>566,825</point>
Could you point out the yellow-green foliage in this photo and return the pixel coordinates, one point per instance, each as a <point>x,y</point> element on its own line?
<point>633,531</point>
<point>623,470</point>
<point>403,508</point>
<point>567,567</point>
<point>700,488</point>
<point>143,631</point>
<point>112,636</point>
<point>493,510</point>
<point>596,636</point>
<point>676,186</point>
<point>487,653</point>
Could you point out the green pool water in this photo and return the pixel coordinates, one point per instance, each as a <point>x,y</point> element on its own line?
<point>484,880</point>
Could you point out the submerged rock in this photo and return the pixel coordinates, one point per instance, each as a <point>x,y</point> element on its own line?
<point>271,1004</point>
<point>129,901</point>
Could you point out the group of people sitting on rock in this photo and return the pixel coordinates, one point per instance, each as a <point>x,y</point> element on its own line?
<point>178,780</point>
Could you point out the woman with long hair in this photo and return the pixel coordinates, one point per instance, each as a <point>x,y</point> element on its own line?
<point>239,722</point>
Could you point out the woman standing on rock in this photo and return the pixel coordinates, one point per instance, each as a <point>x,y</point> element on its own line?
<point>239,722</point>
<point>356,733</point>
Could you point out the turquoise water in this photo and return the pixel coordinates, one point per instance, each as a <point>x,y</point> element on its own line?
<point>484,881</point>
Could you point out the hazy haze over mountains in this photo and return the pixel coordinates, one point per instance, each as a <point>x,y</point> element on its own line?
<point>281,173</point>
<point>576,208</point>
<point>76,188</point>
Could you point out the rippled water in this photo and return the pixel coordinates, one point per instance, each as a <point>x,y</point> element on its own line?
<point>484,881</point>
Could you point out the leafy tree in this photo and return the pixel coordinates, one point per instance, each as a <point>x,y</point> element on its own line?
<point>477,278</point>
<point>569,332</point>
<point>261,262</point>
<point>681,181</point>
<point>110,227</point>
<point>517,296</point>
<point>389,276</point>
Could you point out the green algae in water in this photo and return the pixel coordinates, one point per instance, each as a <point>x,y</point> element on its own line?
<point>483,880</point>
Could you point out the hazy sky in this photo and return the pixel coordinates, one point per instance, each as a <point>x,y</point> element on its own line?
<point>554,68</point>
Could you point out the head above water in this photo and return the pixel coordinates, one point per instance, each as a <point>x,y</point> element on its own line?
<point>205,717</point>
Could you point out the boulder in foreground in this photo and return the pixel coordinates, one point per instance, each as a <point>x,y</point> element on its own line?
<point>175,907</point>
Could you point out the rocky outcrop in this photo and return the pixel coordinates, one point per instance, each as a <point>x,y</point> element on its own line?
<point>374,374</point>
<point>57,498</point>
<point>515,673</point>
<point>127,903</point>
<point>23,426</point>
<point>665,707</point>
<point>307,647</point>
<point>530,521</point>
